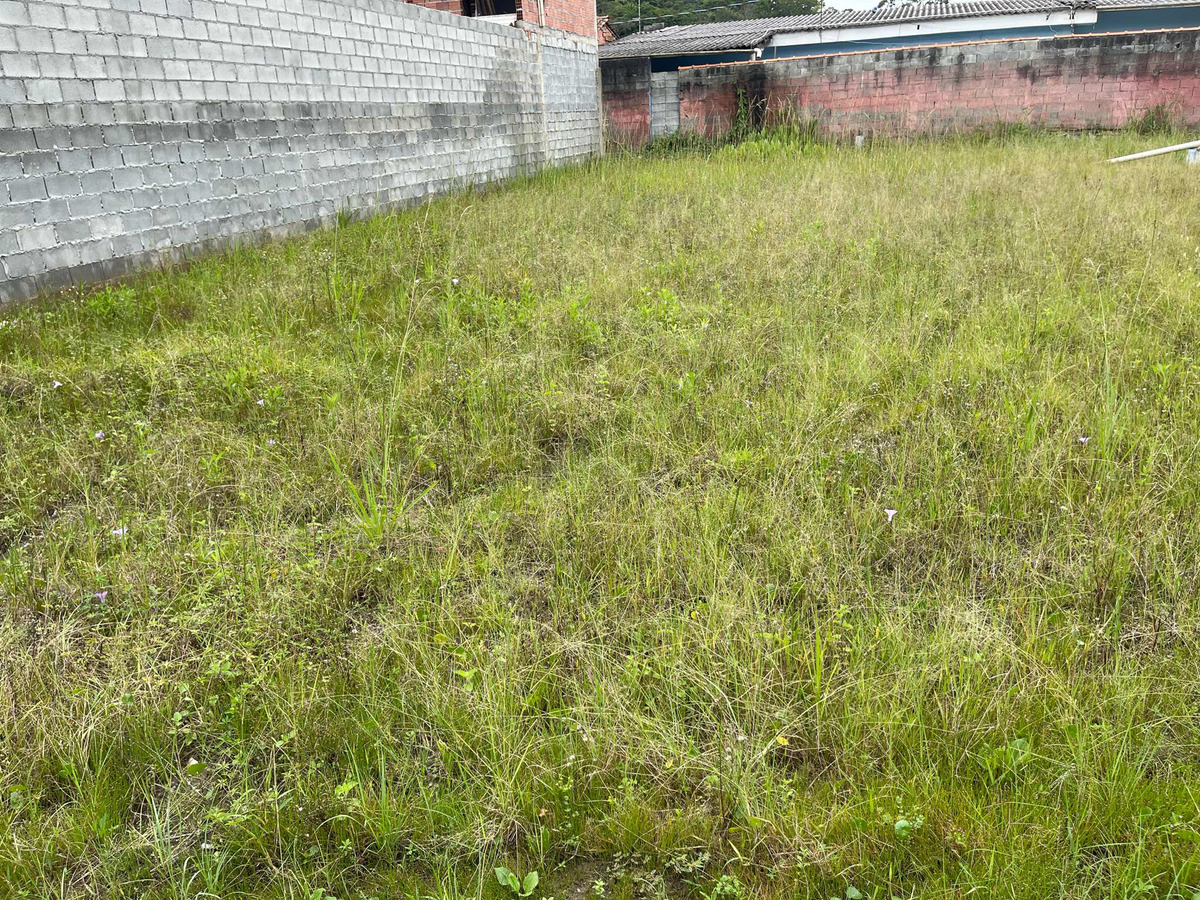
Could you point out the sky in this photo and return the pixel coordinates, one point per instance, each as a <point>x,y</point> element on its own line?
<point>852,4</point>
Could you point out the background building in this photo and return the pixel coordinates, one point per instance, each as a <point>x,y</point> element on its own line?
<point>640,72</point>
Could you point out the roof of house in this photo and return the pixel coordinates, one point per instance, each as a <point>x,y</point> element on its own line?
<point>744,34</point>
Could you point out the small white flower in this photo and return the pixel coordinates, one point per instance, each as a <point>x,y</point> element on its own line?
<point>270,442</point>
<point>57,385</point>
<point>207,846</point>
<point>99,435</point>
<point>891,513</point>
<point>454,281</point>
<point>121,531</point>
<point>262,402</point>
<point>1083,439</point>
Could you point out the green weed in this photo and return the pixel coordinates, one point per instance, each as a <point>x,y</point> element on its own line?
<point>779,519</point>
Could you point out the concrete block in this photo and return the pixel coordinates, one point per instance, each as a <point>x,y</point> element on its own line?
<point>73,230</point>
<point>143,25</point>
<point>19,65</point>
<point>100,182</point>
<point>29,116</point>
<point>133,46</point>
<point>22,189</point>
<point>60,257</point>
<point>44,90</point>
<point>137,220</point>
<point>68,42</point>
<point>106,226</point>
<point>63,185</point>
<point>23,265</point>
<point>15,214</point>
<point>85,206</point>
<point>14,12</point>
<point>12,93</point>
<point>66,114</point>
<point>81,19</point>
<point>107,157</point>
<point>81,92</point>
<point>110,91</point>
<point>36,237</point>
<point>127,178</point>
<point>34,40</point>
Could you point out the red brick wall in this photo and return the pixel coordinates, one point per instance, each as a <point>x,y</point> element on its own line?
<point>576,16</point>
<point>1075,82</point>
<point>625,97</point>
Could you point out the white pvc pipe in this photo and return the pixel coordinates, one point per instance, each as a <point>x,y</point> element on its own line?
<point>1161,150</point>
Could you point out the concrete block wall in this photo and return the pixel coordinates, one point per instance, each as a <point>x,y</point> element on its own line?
<point>664,103</point>
<point>571,99</point>
<point>133,130</point>
<point>626,98</point>
<point>1070,82</point>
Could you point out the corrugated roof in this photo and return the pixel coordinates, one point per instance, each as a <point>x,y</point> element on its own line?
<point>747,34</point>
<point>1142,4</point>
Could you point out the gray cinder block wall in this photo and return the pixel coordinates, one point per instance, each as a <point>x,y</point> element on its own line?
<point>137,130</point>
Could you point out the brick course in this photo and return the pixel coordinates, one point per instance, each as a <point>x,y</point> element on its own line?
<point>190,125</point>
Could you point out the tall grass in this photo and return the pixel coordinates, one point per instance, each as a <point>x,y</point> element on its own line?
<point>548,528</point>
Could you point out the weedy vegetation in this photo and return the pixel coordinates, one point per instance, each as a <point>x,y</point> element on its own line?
<point>765,521</point>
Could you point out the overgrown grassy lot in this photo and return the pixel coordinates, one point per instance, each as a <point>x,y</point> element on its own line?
<point>552,528</point>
